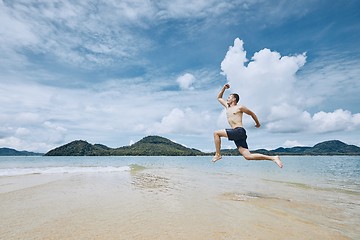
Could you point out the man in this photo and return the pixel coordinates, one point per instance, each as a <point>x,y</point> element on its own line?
<point>237,133</point>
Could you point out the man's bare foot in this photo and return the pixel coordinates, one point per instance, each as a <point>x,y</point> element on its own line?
<point>216,158</point>
<point>278,161</point>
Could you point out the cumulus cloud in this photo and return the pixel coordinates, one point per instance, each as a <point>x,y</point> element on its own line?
<point>320,122</point>
<point>186,81</point>
<point>38,117</point>
<point>37,35</point>
<point>29,130</point>
<point>266,81</point>
<point>268,84</point>
<point>339,120</point>
<point>182,121</point>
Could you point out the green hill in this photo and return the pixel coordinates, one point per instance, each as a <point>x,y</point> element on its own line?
<point>13,152</point>
<point>160,146</point>
<point>79,148</point>
<point>332,147</point>
<point>157,146</point>
<point>148,146</point>
<point>335,147</point>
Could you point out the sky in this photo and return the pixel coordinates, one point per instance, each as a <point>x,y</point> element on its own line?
<point>113,72</point>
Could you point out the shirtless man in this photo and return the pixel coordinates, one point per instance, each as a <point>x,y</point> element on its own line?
<point>237,134</point>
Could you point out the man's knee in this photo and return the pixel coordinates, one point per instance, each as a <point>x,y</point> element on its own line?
<point>217,133</point>
<point>220,133</point>
<point>247,155</point>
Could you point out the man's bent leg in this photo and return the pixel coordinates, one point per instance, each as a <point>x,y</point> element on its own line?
<point>257,156</point>
<point>217,140</point>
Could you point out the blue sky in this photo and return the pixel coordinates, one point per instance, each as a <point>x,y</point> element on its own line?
<point>112,72</point>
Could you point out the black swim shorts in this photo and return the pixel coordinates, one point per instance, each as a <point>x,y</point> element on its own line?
<point>238,135</point>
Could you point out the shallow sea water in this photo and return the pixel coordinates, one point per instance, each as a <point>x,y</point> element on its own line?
<point>179,198</point>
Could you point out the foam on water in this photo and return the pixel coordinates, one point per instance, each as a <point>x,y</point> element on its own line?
<point>63,169</point>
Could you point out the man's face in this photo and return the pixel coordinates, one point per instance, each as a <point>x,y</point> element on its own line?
<point>230,99</point>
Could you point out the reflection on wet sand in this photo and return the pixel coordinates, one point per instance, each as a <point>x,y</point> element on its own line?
<point>150,182</point>
<point>247,196</point>
<point>142,178</point>
<point>306,215</point>
<point>316,188</point>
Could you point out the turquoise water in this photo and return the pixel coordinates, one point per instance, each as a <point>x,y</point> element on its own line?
<point>318,171</point>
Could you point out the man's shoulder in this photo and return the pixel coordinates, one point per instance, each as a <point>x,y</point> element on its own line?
<point>242,107</point>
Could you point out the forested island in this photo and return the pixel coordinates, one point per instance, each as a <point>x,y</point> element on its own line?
<point>13,152</point>
<point>148,146</point>
<point>160,146</point>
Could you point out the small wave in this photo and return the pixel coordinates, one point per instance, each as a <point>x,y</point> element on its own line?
<point>135,168</point>
<point>66,169</point>
<point>234,196</point>
<point>317,188</point>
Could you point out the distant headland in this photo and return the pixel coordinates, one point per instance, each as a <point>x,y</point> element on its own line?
<point>148,146</point>
<point>160,146</point>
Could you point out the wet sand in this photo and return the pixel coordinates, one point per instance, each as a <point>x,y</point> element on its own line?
<point>169,204</point>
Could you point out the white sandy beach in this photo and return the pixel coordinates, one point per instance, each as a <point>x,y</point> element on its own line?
<point>166,204</point>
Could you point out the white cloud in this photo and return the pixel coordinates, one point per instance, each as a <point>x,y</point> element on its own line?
<point>328,78</point>
<point>269,86</point>
<point>36,35</point>
<point>39,117</point>
<point>12,142</point>
<point>292,143</point>
<point>297,121</point>
<point>186,81</point>
<point>320,122</point>
<point>339,120</point>
<point>95,34</point>
<point>192,9</point>
<point>14,31</point>
<point>182,121</point>
<point>266,83</point>
<point>21,144</point>
<point>89,34</point>
<point>268,80</point>
<point>21,131</point>
<point>85,34</point>
<point>270,12</point>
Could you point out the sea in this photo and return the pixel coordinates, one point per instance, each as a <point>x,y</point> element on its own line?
<point>341,172</point>
<point>324,174</point>
<point>323,191</point>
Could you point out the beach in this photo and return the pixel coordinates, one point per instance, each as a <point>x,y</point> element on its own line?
<point>175,198</point>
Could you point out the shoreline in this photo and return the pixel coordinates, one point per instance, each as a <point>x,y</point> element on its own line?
<point>168,203</point>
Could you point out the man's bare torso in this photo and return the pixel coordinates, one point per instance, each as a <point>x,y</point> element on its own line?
<point>234,116</point>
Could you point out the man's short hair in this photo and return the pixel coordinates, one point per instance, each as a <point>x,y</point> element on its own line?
<point>236,96</point>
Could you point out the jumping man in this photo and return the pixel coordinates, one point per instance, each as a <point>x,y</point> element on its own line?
<point>237,133</point>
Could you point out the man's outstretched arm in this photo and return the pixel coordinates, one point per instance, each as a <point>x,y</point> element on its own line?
<point>252,114</point>
<point>221,93</point>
